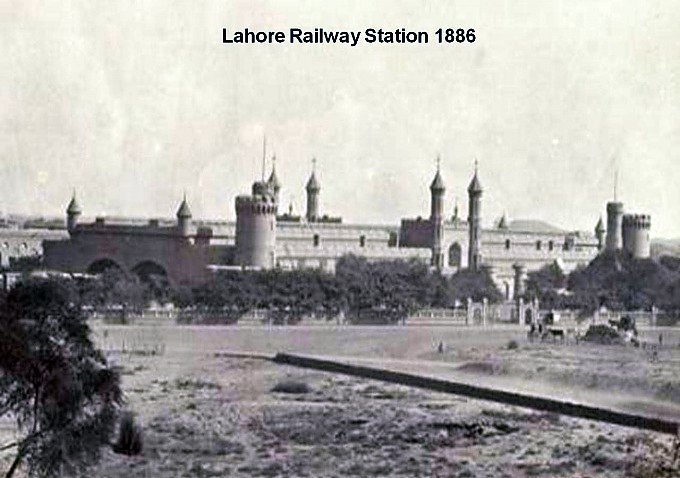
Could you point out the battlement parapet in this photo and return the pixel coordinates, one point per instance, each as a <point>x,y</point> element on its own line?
<point>637,221</point>
<point>256,204</point>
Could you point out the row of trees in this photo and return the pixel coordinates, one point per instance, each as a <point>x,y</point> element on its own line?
<point>361,289</point>
<point>614,280</point>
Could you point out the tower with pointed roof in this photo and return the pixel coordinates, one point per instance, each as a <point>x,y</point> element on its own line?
<point>437,190</point>
<point>73,212</point>
<point>313,188</point>
<point>273,181</point>
<point>184,217</point>
<point>475,222</point>
<point>599,234</point>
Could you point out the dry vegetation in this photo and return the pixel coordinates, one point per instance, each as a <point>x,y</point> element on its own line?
<point>205,414</point>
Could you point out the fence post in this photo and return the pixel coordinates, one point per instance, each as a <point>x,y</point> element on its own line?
<point>485,310</point>
<point>468,316</point>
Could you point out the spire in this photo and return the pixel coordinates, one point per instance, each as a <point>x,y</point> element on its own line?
<point>273,180</point>
<point>313,183</point>
<point>438,183</point>
<point>599,227</point>
<point>184,212</point>
<point>503,223</point>
<point>73,206</point>
<point>475,186</point>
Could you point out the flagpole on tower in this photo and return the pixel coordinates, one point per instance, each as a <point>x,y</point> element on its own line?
<point>264,153</point>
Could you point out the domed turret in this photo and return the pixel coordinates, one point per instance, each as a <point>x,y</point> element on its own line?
<point>184,217</point>
<point>313,184</point>
<point>73,212</point>
<point>437,184</point>
<point>475,186</point>
<point>313,187</point>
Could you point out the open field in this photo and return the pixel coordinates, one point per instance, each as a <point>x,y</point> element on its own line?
<point>206,414</point>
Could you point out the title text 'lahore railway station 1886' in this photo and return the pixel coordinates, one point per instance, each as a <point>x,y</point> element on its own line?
<point>188,251</point>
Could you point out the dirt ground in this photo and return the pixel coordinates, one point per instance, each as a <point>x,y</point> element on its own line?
<point>207,414</point>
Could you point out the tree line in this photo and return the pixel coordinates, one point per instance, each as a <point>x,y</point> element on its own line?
<point>362,290</point>
<point>614,280</point>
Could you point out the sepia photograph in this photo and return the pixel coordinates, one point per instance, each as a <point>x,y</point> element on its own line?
<point>305,238</point>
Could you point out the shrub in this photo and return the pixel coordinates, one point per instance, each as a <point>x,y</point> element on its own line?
<point>130,438</point>
<point>291,386</point>
<point>53,380</point>
<point>512,345</point>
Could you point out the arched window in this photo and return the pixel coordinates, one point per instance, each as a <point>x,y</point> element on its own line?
<point>550,245</point>
<point>362,241</point>
<point>507,243</point>
<point>455,254</point>
<point>538,245</point>
<point>316,240</point>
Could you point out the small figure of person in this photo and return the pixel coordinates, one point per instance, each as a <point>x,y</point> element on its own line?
<point>660,340</point>
<point>440,347</point>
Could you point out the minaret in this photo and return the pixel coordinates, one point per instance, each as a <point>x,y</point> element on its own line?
<point>73,212</point>
<point>437,190</point>
<point>313,187</point>
<point>475,222</point>
<point>184,217</point>
<point>273,181</point>
<point>599,233</point>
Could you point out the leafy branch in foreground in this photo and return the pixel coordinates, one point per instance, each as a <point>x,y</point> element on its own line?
<point>53,380</point>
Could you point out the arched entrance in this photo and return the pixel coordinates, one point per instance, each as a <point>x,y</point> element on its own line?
<point>103,265</point>
<point>149,271</point>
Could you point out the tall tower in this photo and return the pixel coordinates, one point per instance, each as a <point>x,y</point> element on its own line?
<point>273,181</point>
<point>636,229</point>
<point>614,224</point>
<point>184,217</point>
<point>437,190</point>
<point>599,233</point>
<point>256,228</point>
<point>73,212</point>
<point>475,222</point>
<point>313,187</point>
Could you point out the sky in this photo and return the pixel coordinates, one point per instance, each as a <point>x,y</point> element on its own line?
<point>134,103</point>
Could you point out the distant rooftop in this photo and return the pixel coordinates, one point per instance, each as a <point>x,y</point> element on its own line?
<point>532,225</point>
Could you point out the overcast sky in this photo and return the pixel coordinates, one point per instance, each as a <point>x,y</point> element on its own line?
<point>132,103</point>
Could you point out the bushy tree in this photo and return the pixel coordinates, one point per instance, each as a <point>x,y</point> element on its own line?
<point>619,281</point>
<point>53,380</point>
<point>114,287</point>
<point>546,284</point>
<point>475,284</point>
